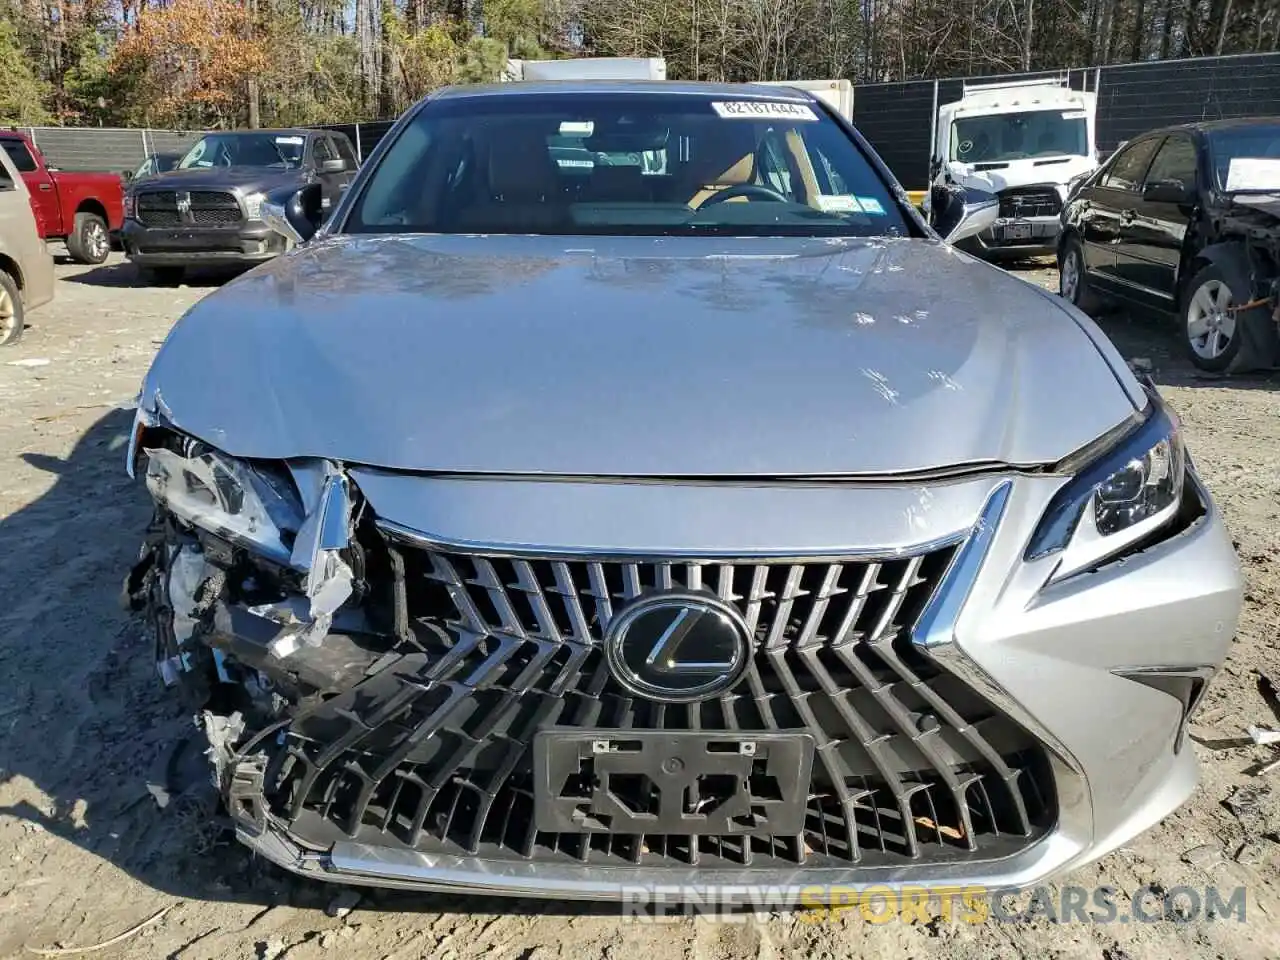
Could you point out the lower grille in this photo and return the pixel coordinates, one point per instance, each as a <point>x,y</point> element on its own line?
<point>204,208</point>
<point>1030,202</point>
<point>434,751</point>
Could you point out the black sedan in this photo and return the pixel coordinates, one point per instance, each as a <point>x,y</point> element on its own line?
<point>1186,220</point>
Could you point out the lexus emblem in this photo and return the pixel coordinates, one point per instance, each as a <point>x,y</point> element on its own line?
<point>678,646</point>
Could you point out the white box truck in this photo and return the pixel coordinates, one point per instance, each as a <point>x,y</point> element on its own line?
<point>1025,141</point>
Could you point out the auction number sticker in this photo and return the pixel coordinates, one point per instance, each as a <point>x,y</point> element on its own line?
<point>763,110</point>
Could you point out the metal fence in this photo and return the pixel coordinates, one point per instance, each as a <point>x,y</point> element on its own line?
<point>124,148</point>
<point>897,118</point>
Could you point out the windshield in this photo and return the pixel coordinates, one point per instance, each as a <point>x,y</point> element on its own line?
<point>1002,137</point>
<point>1246,158</point>
<point>280,150</point>
<point>625,164</point>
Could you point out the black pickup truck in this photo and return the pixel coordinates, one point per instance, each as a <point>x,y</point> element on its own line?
<point>208,211</point>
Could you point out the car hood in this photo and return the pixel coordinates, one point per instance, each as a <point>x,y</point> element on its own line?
<point>246,179</point>
<point>639,357</point>
<point>1021,173</point>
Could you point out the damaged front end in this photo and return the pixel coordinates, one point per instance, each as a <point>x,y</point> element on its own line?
<point>257,590</point>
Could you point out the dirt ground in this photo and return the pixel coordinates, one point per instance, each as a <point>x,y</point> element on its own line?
<point>86,853</point>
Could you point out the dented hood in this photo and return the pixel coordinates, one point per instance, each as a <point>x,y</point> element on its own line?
<point>639,357</point>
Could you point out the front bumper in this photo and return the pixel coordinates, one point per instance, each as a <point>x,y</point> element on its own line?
<point>249,243</point>
<point>1022,237</point>
<point>1057,660</point>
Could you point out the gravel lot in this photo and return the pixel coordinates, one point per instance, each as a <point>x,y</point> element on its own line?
<point>85,852</point>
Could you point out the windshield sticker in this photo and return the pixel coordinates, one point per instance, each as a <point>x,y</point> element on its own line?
<point>870,205</point>
<point>1253,173</point>
<point>577,128</point>
<point>763,110</point>
<point>1075,114</point>
<point>297,141</point>
<point>839,203</point>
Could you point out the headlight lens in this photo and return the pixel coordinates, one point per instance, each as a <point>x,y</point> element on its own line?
<point>227,497</point>
<point>1118,498</point>
<point>130,204</point>
<point>253,205</point>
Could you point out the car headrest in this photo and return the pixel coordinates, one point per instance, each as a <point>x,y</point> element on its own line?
<point>520,166</point>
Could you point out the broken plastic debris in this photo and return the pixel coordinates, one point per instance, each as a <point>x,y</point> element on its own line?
<point>30,362</point>
<point>187,571</point>
<point>943,829</point>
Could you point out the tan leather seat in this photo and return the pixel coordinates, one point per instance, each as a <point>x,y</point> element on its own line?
<point>726,161</point>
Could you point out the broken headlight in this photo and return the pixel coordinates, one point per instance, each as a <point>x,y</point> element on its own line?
<point>1119,498</point>
<point>252,505</point>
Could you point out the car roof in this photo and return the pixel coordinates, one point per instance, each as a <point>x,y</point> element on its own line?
<point>1209,126</point>
<point>587,87</point>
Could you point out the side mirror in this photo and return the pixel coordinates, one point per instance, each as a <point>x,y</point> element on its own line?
<point>294,214</point>
<point>126,174</point>
<point>957,212</point>
<point>333,166</point>
<point>1167,191</point>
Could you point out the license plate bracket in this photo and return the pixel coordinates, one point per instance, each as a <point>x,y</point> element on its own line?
<point>680,783</point>
<point>1018,230</point>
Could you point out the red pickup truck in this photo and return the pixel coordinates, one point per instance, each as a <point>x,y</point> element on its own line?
<point>83,209</point>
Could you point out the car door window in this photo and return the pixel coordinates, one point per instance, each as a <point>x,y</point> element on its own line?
<point>1175,161</point>
<point>1126,171</point>
<point>324,150</point>
<point>345,151</point>
<point>20,155</point>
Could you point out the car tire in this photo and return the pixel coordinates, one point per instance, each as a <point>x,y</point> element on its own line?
<point>90,241</point>
<point>1217,339</point>
<point>11,312</point>
<point>162,276</point>
<point>1073,279</point>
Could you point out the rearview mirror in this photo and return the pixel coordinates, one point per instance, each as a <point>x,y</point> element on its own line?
<point>957,213</point>
<point>1166,191</point>
<point>333,166</point>
<point>294,214</point>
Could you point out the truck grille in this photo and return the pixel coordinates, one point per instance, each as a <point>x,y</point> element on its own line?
<point>208,208</point>
<point>1030,202</point>
<point>433,751</point>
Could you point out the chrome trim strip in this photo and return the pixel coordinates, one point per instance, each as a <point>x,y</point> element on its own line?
<point>1116,278</point>
<point>934,633</point>
<point>358,863</point>
<point>429,541</point>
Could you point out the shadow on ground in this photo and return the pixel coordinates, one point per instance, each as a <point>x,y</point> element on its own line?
<point>90,724</point>
<point>125,274</point>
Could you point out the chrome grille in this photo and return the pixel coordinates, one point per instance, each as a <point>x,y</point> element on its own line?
<point>1030,202</point>
<point>433,751</point>
<point>206,208</point>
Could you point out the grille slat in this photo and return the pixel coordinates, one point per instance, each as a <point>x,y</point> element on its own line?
<point>435,753</point>
<point>205,208</point>
<point>1030,202</point>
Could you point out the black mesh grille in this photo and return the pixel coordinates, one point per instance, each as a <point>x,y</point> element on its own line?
<point>433,752</point>
<point>1030,202</point>
<point>207,208</point>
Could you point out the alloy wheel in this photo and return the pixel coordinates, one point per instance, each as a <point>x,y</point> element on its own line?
<point>8,315</point>
<point>1211,324</point>
<point>96,241</point>
<point>1069,283</point>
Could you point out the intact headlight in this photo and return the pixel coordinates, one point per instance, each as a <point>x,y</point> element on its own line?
<point>249,504</point>
<point>1120,496</point>
<point>130,204</point>
<point>253,205</point>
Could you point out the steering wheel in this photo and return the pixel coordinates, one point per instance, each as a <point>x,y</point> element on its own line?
<point>746,190</point>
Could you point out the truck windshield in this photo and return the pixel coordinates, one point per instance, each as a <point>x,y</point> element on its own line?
<point>625,164</point>
<point>280,150</point>
<point>1002,137</point>
<point>1247,157</point>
